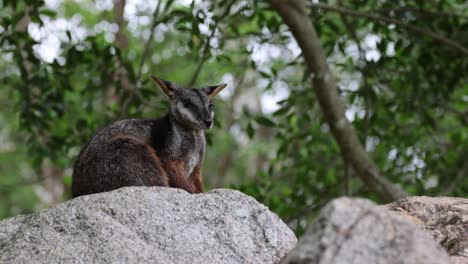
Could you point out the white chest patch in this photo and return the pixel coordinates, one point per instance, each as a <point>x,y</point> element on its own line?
<point>194,157</point>
<point>191,163</point>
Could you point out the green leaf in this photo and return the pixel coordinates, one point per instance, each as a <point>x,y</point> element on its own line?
<point>281,111</point>
<point>250,130</point>
<point>48,12</point>
<point>265,75</point>
<point>264,121</point>
<point>67,180</point>
<point>69,35</point>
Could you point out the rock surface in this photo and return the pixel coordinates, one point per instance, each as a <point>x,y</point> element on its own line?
<point>148,225</point>
<point>357,231</point>
<point>445,218</point>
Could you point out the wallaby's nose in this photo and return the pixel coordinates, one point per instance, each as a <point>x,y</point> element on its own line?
<point>208,122</point>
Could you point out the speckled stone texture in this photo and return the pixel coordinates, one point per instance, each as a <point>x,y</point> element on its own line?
<point>148,225</point>
<point>445,218</point>
<point>356,231</point>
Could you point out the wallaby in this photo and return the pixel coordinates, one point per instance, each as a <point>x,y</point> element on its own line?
<point>168,151</point>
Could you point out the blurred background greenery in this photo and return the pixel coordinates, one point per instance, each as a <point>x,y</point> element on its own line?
<point>69,67</point>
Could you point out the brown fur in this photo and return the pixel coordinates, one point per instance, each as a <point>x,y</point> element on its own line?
<point>178,178</point>
<point>196,178</point>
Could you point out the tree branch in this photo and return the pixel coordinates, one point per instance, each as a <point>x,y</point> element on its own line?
<point>294,15</point>
<point>154,24</point>
<point>463,115</point>
<point>203,58</point>
<point>146,49</point>
<point>352,32</point>
<point>121,40</point>
<point>206,47</point>
<point>347,167</point>
<point>396,22</point>
<point>24,64</point>
<point>421,11</point>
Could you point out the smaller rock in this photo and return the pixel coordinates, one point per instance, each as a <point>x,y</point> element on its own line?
<point>445,218</point>
<point>357,231</point>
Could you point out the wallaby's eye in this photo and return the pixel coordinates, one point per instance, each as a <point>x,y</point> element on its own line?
<point>187,103</point>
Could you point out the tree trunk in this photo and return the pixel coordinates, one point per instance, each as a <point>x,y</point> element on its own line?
<point>295,16</point>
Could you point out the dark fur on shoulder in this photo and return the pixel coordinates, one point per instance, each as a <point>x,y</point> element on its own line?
<point>168,151</point>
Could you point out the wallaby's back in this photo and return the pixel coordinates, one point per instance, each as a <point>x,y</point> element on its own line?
<point>119,155</point>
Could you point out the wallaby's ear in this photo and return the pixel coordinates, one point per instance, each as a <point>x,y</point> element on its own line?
<point>167,87</point>
<point>211,91</point>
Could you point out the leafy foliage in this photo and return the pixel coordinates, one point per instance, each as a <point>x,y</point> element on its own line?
<point>406,94</point>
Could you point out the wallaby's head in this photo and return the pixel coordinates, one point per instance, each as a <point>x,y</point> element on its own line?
<point>192,108</point>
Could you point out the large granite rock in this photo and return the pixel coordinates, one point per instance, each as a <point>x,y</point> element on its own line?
<point>148,225</point>
<point>357,231</point>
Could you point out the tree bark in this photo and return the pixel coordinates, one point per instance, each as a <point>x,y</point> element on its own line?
<point>121,40</point>
<point>295,16</point>
<point>120,75</point>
